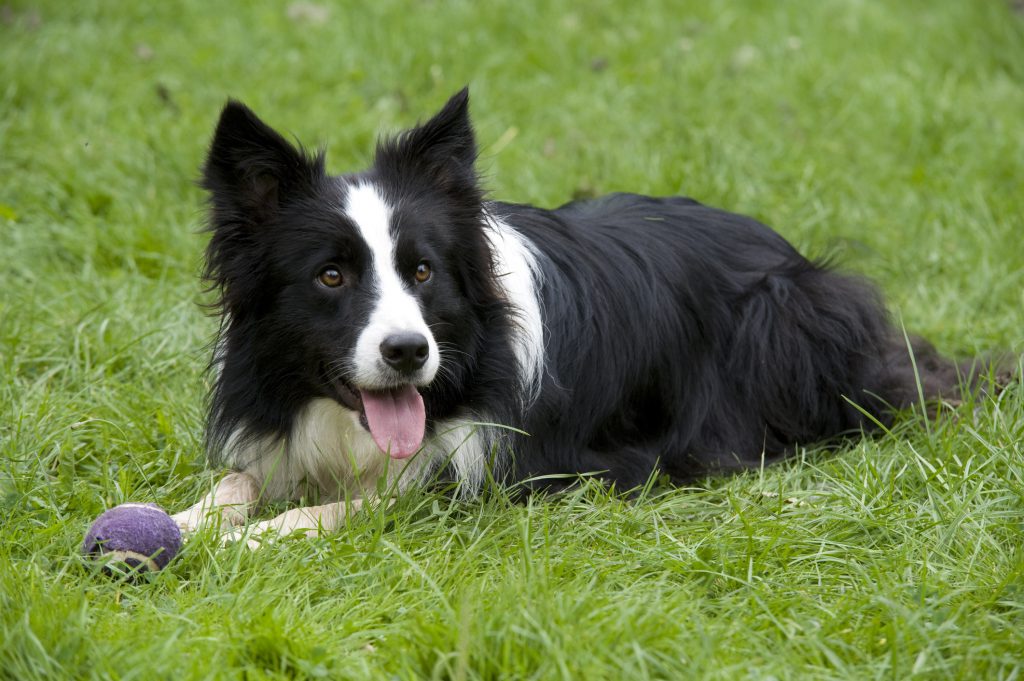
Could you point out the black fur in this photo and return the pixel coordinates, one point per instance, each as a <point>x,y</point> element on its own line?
<point>700,341</point>
<point>677,337</point>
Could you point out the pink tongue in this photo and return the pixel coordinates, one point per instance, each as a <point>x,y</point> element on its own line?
<point>396,419</point>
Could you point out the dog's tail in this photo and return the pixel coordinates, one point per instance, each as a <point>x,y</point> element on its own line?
<point>913,372</point>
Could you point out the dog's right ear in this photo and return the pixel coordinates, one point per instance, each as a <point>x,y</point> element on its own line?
<point>250,167</point>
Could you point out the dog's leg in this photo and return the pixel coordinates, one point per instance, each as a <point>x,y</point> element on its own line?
<point>310,520</point>
<point>229,502</point>
<point>554,471</point>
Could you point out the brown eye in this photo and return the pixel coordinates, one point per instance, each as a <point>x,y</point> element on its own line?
<point>330,277</point>
<point>422,271</point>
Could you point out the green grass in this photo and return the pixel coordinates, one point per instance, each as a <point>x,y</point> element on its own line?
<point>888,134</point>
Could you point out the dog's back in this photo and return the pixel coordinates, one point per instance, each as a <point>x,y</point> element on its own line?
<point>695,340</point>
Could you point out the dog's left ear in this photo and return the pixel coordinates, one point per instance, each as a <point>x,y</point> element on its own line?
<point>443,148</point>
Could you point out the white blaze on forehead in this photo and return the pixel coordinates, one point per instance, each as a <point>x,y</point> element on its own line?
<point>372,215</point>
<point>396,310</point>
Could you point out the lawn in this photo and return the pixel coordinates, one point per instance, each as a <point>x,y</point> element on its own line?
<point>888,135</point>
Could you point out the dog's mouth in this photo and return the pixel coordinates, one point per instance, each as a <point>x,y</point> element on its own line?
<point>395,417</point>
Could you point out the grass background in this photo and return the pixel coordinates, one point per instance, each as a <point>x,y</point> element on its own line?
<point>888,134</point>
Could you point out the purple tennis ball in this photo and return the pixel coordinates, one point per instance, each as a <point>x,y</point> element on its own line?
<point>141,536</point>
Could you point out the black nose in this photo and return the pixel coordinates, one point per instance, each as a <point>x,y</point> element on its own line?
<point>405,352</point>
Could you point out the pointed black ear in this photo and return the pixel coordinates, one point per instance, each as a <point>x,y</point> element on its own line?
<point>250,166</point>
<point>444,147</point>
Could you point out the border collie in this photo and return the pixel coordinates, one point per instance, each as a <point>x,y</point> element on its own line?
<point>395,326</point>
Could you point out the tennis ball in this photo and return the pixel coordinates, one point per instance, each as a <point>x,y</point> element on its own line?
<point>140,536</point>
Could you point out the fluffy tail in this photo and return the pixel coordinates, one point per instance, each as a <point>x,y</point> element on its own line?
<point>912,371</point>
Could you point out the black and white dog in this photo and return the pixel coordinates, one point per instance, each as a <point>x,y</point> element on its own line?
<point>397,323</point>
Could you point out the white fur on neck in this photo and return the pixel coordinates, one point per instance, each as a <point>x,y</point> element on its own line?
<point>327,452</point>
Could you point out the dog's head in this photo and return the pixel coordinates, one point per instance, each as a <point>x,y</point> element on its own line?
<point>370,288</point>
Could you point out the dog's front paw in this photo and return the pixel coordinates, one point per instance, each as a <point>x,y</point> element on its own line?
<point>188,521</point>
<point>248,536</point>
<point>254,536</point>
<point>199,516</point>
<point>311,522</point>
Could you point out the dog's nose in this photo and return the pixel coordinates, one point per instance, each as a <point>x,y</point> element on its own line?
<point>405,352</point>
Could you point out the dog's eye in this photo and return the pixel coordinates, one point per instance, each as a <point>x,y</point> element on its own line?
<point>422,271</point>
<point>330,277</point>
